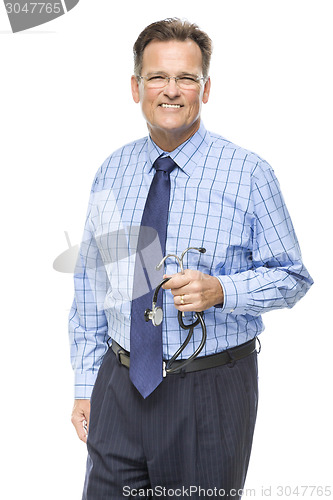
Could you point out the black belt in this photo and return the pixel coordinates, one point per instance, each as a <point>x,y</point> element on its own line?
<point>201,363</point>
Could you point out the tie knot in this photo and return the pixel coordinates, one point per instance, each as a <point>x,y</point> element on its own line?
<point>166,164</point>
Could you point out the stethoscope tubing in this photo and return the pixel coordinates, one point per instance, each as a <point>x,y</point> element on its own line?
<point>199,315</point>
<point>185,326</point>
<point>189,327</point>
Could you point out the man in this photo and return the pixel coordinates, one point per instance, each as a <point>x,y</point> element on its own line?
<point>189,431</point>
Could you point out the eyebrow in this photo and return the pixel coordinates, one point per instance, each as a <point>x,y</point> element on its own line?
<point>183,73</point>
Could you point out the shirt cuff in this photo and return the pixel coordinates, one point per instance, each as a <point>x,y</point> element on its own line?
<point>84,384</point>
<point>235,294</point>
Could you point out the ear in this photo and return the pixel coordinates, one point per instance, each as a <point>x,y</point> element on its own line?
<point>135,89</point>
<point>206,91</point>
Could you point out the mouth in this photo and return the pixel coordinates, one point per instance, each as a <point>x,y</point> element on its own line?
<point>171,106</point>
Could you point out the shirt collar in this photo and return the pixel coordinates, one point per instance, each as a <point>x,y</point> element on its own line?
<point>187,155</point>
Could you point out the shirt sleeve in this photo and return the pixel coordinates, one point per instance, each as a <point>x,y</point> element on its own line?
<point>88,328</point>
<point>277,277</point>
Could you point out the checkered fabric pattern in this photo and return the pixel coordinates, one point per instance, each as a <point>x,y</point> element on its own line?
<point>224,198</point>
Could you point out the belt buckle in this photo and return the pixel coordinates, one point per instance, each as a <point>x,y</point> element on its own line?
<point>118,353</point>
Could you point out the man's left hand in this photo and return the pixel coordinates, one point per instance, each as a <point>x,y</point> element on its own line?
<point>194,290</point>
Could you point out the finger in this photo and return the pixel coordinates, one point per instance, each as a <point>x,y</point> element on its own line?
<point>183,303</point>
<point>190,303</point>
<point>81,428</point>
<point>80,419</point>
<point>181,300</point>
<point>190,308</point>
<point>87,414</point>
<point>183,290</point>
<point>86,425</point>
<point>177,281</point>
<point>186,308</point>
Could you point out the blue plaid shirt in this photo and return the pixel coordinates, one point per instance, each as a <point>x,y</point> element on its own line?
<point>223,198</point>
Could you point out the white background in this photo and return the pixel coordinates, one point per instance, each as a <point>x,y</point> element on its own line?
<point>65,106</point>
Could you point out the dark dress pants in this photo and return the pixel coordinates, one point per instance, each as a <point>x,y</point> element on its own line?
<point>192,434</point>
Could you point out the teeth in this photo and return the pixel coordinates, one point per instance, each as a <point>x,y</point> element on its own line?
<point>170,105</point>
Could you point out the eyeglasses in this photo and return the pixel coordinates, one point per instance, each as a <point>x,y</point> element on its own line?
<point>184,82</point>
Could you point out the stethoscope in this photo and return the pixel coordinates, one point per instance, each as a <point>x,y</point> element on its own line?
<point>155,314</point>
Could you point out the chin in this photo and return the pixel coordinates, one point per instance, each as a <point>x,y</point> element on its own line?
<point>173,125</point>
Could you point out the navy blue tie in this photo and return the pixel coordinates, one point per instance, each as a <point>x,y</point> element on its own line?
<point>146,339</point>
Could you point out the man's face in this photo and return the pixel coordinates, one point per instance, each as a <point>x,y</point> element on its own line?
<point>178,122</point>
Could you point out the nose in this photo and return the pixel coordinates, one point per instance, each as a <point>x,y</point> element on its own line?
<point>171,89</point>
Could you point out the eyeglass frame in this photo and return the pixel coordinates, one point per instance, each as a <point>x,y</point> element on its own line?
<point>196,79</point>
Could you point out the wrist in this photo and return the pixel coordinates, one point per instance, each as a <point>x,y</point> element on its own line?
<point>219,293</point>
<point>221,299</point>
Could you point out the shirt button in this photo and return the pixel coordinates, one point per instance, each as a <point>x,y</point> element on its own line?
<point>232,310</point>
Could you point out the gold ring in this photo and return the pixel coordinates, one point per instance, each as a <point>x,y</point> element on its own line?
<point>182,300</point>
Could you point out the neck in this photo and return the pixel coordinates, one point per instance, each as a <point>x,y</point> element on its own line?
<point>170,140</point>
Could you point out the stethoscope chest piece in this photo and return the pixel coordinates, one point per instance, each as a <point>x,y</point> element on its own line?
<point>155,315</point>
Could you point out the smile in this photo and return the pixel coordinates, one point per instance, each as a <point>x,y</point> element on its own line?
<point>175,106</point>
